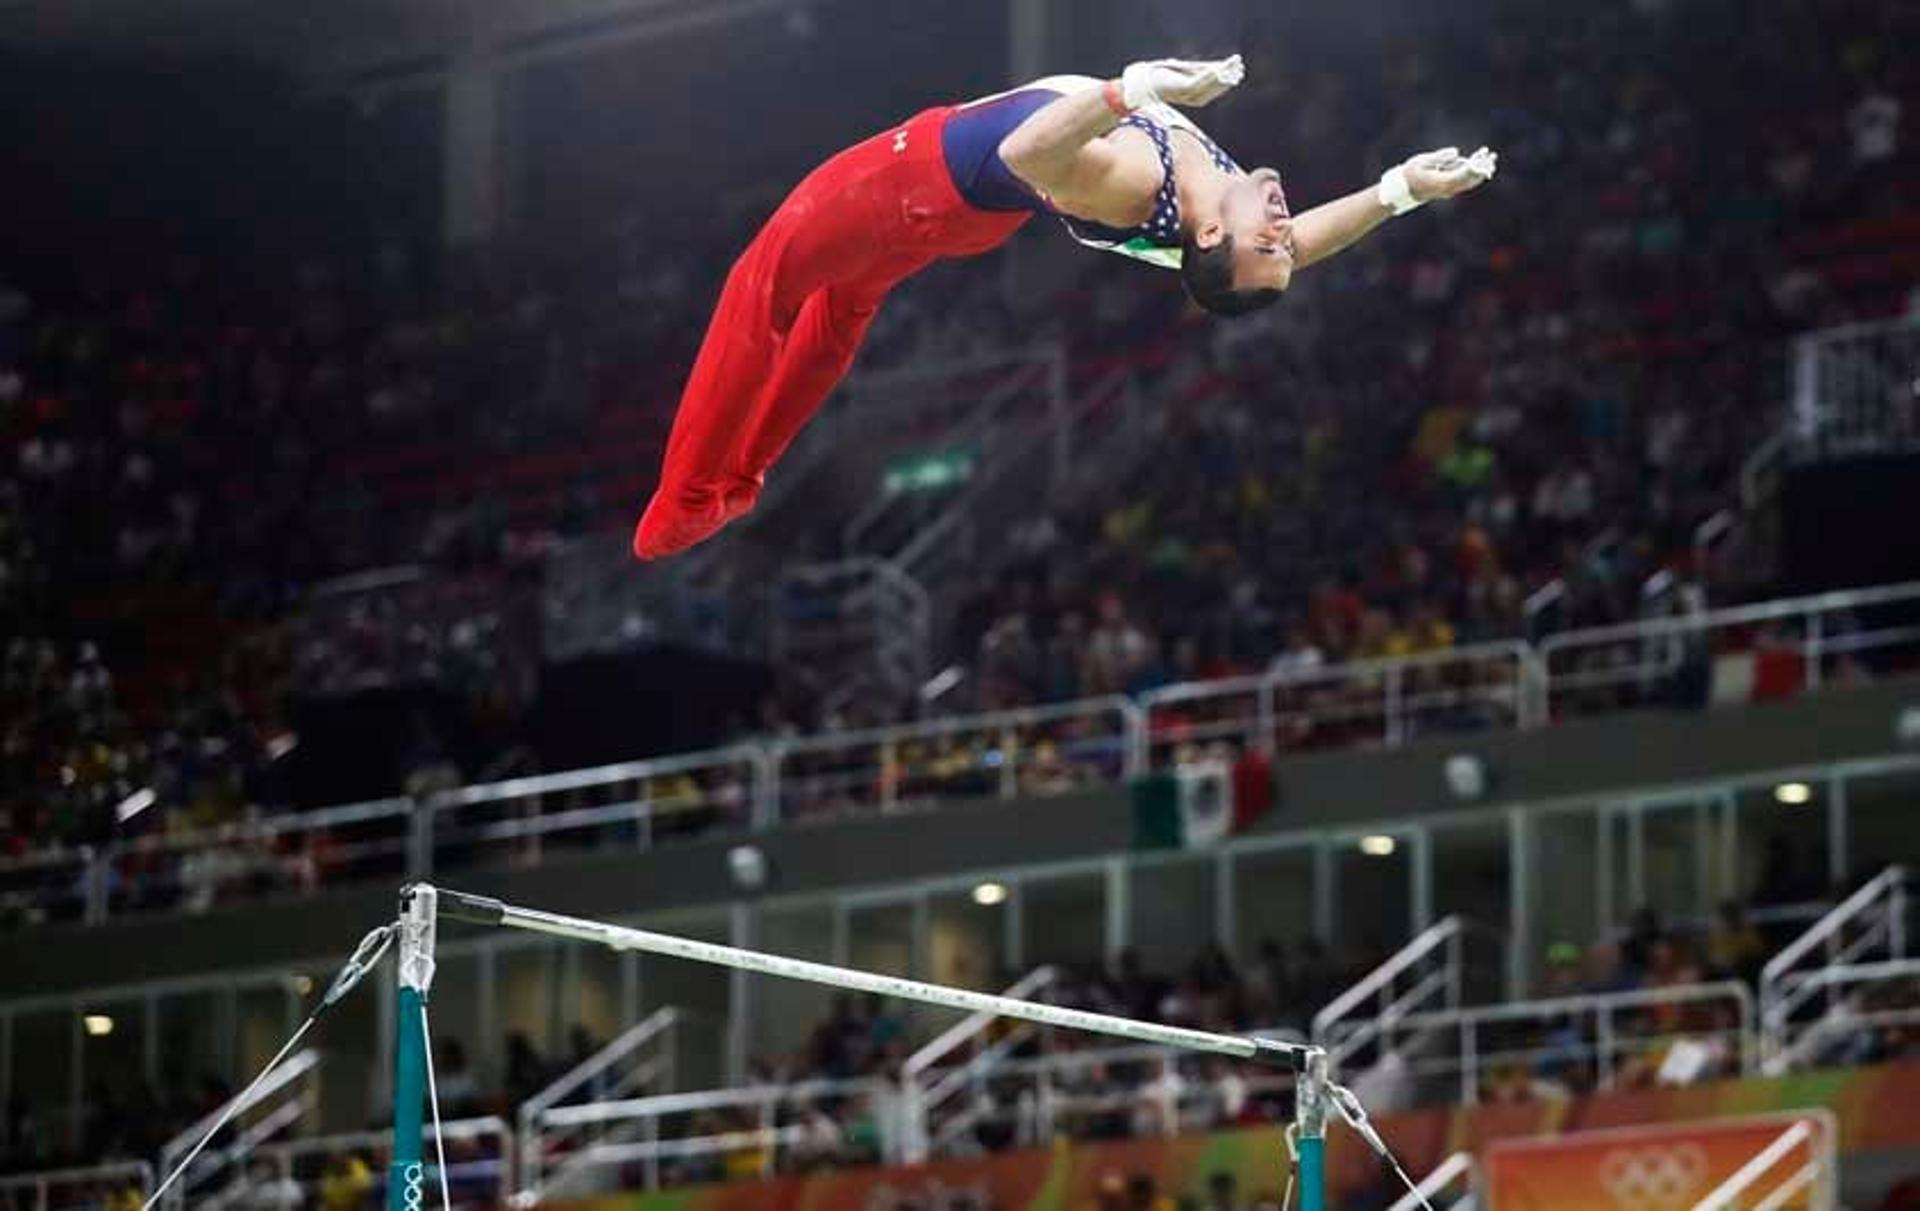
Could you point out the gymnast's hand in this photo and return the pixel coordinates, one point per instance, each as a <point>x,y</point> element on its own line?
<point>1188,82</point>
<point>1446,173</point>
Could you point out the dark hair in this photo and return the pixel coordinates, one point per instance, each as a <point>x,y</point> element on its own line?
<point>1208,274</point>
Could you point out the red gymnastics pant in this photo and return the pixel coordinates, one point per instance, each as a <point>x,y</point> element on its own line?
<point>794,311</point>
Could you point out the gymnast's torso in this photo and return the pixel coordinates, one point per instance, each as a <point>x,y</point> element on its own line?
<point>971,139</point>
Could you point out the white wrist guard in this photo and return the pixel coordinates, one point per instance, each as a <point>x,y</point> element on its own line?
<point>1136,86</point>
<point>1394,193</point>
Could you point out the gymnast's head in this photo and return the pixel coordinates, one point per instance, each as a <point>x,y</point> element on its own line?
<point>1237,256</point>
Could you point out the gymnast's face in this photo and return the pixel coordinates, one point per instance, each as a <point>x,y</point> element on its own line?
<point>1253,213</point>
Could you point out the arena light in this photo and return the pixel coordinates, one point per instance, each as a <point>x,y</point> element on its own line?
<point>98,1025</point>
<point>134,804</point>
<point>1793,794</point>
<point>1906,725</point>
<point>942,683</point>
<point>1378,845</point>
<point>989,894</point>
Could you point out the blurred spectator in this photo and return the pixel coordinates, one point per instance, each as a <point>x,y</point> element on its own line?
<point>1735,948</point>
<point>346,1183</point>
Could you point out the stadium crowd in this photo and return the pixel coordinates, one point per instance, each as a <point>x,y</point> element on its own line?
<point>1430,428</point>
<point>1558,383</point>
<point>1561,381</point>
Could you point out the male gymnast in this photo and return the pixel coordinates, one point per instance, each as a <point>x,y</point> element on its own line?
<point>1124,170</point>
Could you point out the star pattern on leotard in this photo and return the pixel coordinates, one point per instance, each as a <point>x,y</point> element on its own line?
<point>1161,231</point>
<point>1163,226</point>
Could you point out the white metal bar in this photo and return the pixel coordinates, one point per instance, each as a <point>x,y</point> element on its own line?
<point>1766,611</point>
<point>1731,990</point>
<point>1742,1178</point>
<point>655,1025</point>
<point>1383,976</point>
<point>1420,875</point>
<point>1805,1177</point>
<point>1838,811</point>
<point>1119,905</point>
<point>1325,877</point>
<point>661,1104</point>
<point>1849,908</point>
<point>1223,898</point>
<point>1445,1175</point>
<point>140,1171</point>
<point>510,916</point>
<point>958,1033</point>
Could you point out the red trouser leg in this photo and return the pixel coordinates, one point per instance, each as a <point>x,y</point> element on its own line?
<point>793,314</point>
<point>777,344</point>
<point>818,353</point>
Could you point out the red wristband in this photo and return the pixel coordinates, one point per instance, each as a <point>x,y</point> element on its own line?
<point>1111,91</point>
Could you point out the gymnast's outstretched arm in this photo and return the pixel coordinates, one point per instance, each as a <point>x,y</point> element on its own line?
<point>1337,225</point>
<point>1057,151</point>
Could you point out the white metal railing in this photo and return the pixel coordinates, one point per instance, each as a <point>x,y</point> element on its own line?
<point>1861,997</point>
<point>1852,389</point>
<point>56,1189</point>
<point>277,1105</point>
<point>289,1173</point>
<point>1427,972</point>
<point>291,852</point>
<point>648,1131</point>
<point>1364,702</point>
<point>1030,1101</point>
<point>1580,1030</point>
<point>998,755</point>
<point>1870,923</point>
<point>1040,749</point>
<point>1624,665</point>
<point>640,1060</point>
<point>1457,1169</point>
<point>1816,1133</point>
<point>632,803</point>
<point>927,1090</point>
<point>55,884</point>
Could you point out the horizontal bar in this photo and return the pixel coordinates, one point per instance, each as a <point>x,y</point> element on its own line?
<point>965,1029</point>
<point>462,906</point>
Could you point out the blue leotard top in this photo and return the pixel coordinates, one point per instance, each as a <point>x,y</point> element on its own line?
<point>971,144</point>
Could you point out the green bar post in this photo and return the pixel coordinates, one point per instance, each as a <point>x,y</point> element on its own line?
<point>407,1171</point>
<point>1312,1098</point>
<point>1313,1173</point>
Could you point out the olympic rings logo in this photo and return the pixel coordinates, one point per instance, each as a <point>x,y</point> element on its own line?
<point>1653,1177</point>
<point>414,1193</point>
